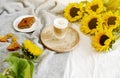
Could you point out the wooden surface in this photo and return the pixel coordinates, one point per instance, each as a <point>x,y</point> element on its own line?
<point>66,44</point>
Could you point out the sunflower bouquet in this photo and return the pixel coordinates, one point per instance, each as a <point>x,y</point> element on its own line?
<point>99,19</point>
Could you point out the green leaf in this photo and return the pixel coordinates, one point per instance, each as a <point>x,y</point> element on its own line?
<point>28,72</point>
<point>2,76</point>
<point>21,67</point>
<point>31,68</point>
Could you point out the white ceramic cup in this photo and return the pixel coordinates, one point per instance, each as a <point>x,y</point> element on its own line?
<point>60,27</point>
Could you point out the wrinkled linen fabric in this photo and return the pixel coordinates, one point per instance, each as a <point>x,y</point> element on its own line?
<point>82,62</point>
<point>85,62</point>
<point>50,64</point>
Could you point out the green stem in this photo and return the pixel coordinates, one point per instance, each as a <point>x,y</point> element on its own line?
<point>5,71</point>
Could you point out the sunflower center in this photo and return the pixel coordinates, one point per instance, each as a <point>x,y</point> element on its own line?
<point>73,11</point>
<point>94,7</point>
<point>93,23</point>
<point>103,39</point>
<point>111,21</point>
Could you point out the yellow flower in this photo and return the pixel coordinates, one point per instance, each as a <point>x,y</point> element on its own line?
<point>111,20</point>
<point>73,12</point>
<point>32,48</point>
<point>95,6</point>
<point>90,23</point>
<point>112,4</point>
<point>102,40</point>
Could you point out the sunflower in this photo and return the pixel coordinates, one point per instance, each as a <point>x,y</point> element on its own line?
<point>102,40</point>
<point>90,23</point>
<point>31,50</point>
<point>73,11</point>
<point>95,6</point>
<point>112,4</point>
<point>111,20</point>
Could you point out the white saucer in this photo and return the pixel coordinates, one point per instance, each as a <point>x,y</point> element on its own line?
<point>32,28</point>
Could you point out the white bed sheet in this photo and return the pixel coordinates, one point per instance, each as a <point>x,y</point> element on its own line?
<point>84,62</point>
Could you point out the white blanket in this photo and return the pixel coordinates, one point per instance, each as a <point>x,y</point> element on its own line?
<point>82,62</point>
<point>50,64</point>
<point>85,62</point>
